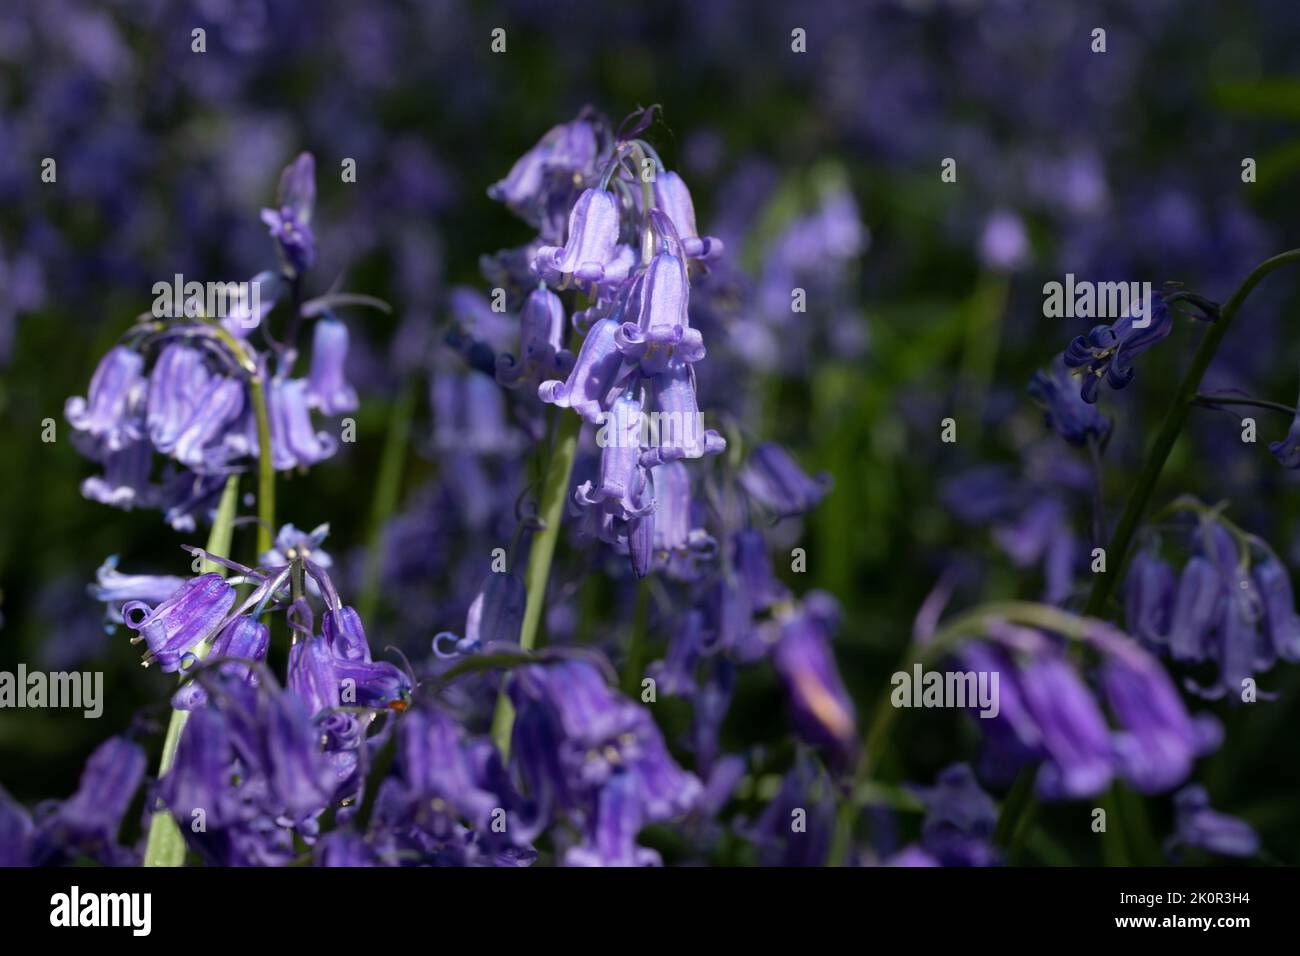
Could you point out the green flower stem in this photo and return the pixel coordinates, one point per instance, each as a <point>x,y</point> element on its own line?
<point>555,489</point>
<point>265,468</point>
<point>1211,401</point>
<point>388,487</point>
<point>166,846</point>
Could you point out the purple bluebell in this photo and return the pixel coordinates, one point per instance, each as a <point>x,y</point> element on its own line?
<point>364,682</point>
<point>1012,739</point>
<point>594,375</point>
<point>545,174</point>
<point>674,199</point>
<point>590,254</point>
<point>1281,631</point>
<point>115,588</point>
<point>619,488</point>
<point>1149,598</point>
<point>1199,827</point>
<point>178,378</point>
<point>1107,351</point>
<point>1196,611</point>
<point>1158,741</point>
<point>294,441</point>
<point>795,828</point>
<point>125,482</point>
<point>959,820</point>
<point>327,385</point>
<point>293,545</point>
<point>680,542</point>
<point>822,709</point>
<point>775,481</point>
<point>201,442</point>
<point>659,328</point>
<point>1072,730</point>
<point>676,426</point>
<point>173,628</point>
<point>243,639</point>
<point>111,413</point>
<point>290,222</point>
<point>574,737</point>
<point>542,328</point>
<point>1064,409</point>
<point>674,676</point>
<point>87,823</point>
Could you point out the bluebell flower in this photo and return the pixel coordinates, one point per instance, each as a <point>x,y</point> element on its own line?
<point>806,796</point>
<point>125,482</point>
<point>111,412</point>
<point>659,328</point>
<point>1158,742</point>
<point>574,739</point>
<point>676,426</point>
<point>823,712</point>
<point>1072,731</point>
<point>327,385</point>
<point>679,540</point>
<point>173,628</point>
<point>542,179</point>
<point>959,820</point>
<point>1107,351</point>
<point>673,198</point>
<point>295,443</point>
<point>87,823</point>
<point>243,639</point>
<point>1196,611</point>
<point>775,481</point>
<point>1199,827</point>
<point>290,221</point>
<point>1064,409</point>
<point>542,329</point>
<point>594,375</point>
<point>590,254</point>
<point>618,490</point>
<point>1149,598</point>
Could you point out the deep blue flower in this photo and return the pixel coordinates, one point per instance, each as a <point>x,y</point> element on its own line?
<point>1107,351</point>
<point>290,222</point>
<point>1064,409</point>
<point>775,481</point>
<point>86,824</point>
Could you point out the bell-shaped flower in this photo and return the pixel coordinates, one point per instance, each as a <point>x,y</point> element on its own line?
<point>173,628</point>
<point>111,411</point>
<point>595,374</point>
<point>327,385</point>
<point>660,329</point>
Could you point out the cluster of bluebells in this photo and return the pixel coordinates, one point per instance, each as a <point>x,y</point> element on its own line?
<point>1229,610</point>
<point>180,386</point>
<point>617,227</point>
<point>1049,717</point>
